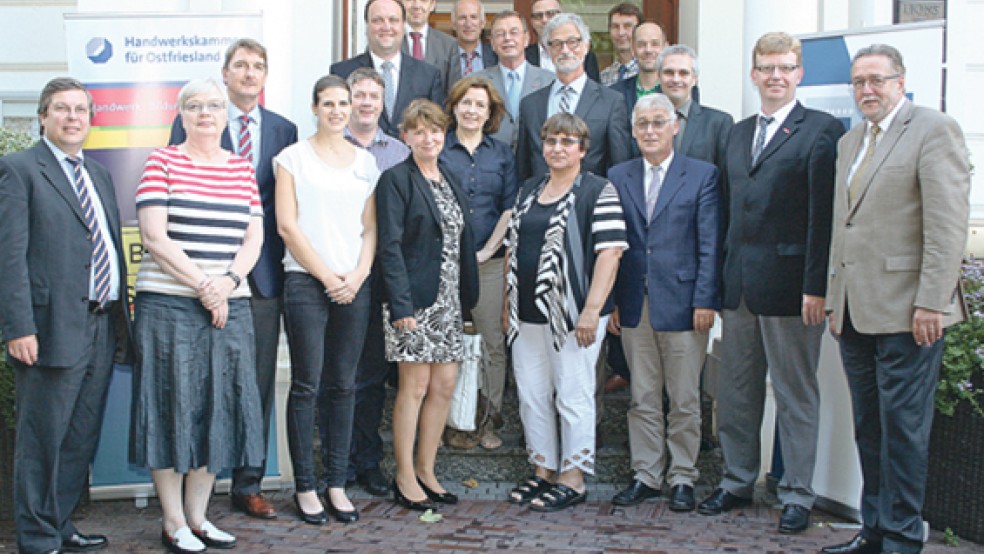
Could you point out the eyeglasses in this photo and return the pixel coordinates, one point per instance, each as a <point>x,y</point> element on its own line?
<point>566,142</point>
<point>198,107</point>
<point>571,43</point>
<point>784,69</point>
<point>512,33</point>
<point>549,14</point>
<point>656,124</point>
<point>875,81</point>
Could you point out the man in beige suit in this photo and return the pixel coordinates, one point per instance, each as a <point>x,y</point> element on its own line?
<point>900,226</point>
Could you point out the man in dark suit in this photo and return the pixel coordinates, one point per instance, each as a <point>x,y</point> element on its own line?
<point>780,172</point>
<point>572,92</point>
<point>64,314</point>
<point>541,12</point>
<point>471,54</point>
<point>425,43</point>
<point>666,294</point>
<point>900,226</point>
<point>406,78</point>
<point>245,73</point>
<point>513,77</point>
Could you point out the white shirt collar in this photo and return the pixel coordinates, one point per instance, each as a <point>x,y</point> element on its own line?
<point>781,114</point>
<point>663,165</point>
<point>377,62</point>
<point>423,33</point>
<point>576,84</point>
<point>886,122</point>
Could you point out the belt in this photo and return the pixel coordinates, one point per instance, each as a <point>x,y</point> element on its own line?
<point>105,309</point>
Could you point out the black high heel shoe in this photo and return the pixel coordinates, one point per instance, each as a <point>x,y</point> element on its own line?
<point>442,497</point>
<point>319,518</point>
<point>348,516</point>
<point>420,506</point>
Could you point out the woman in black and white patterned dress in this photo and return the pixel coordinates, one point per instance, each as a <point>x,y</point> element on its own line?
<point>426,257</point>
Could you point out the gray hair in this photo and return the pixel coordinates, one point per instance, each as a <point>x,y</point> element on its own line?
<point>654,101</point>
<point>565,18</point>
<point>200,86</point>
<point>677,49</point>
<point>890,52</point>
<point>481,10</point>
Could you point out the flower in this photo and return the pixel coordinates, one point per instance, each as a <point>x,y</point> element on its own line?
<point>963,348</point>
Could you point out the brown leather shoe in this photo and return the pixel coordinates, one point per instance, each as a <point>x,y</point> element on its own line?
<point>253,505</point>
<point>615,383</point>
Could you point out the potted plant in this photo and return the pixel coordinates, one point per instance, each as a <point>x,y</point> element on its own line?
<point>11,140</point>
<point>955,483</point>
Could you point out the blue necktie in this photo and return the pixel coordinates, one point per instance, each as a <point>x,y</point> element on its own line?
<point>512,93</point>
<point>100,254</point>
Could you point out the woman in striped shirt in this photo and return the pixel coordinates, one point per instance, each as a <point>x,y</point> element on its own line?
<point>196,407</point>
<point>565,238</point>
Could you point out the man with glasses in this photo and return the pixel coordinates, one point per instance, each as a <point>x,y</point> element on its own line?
<point>780,172</point>
<point>666,294</point>
<point>513,77</point>
<point>622,19</point>
<point>541,12</point>
<point>425,43</point>
<point>569,40</point>
<point>900,226</point>
<point>258,134</point>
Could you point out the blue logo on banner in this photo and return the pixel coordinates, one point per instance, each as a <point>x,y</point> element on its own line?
<point>99,50</point>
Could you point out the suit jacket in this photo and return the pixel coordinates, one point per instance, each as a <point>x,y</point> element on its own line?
<point>675,253</point>
<point>417,80</point>
<point>408,256</point>
<point>489,59</point>
<point>590,61</point>
<point>276,133</point>
<point>535,79</point>
<point>899,246</point>
<point>778,232</point>
<point>705,136</point>
<point>608,125</point>
<point>45,256</point>
<point>439,49</point>
<point>627,88</point>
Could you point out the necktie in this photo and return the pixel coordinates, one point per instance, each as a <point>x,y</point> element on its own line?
<point>682,120</point>
<point>565,98</point>
<point>245,138</point>
<point>418,46</point>
<point>389,95</point>
<point>653,192</point>
<point>100,254</point>
<point>764,122</point>
<point>512,93</point>
<point>869,152</point>
<point>469,58</point>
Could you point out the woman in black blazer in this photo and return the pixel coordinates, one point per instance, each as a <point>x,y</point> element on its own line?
<point>426,256</point>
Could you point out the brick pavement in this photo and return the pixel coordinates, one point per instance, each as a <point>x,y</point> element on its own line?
<point>480,523</point>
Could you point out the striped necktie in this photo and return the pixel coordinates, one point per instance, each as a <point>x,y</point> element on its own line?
<point>469,58</point>
<point>100,254</point>
<point>653,192</point>
<point>853,185</point>
<point>565,98</point>
<point>764,122</point>
<point>245,138</point>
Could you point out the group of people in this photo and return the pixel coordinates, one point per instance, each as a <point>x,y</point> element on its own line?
<point>450,179</point>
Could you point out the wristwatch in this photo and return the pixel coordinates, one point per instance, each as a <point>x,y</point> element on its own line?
<point>236,279</point>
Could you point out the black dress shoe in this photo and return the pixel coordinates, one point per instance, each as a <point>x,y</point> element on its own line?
<point>84,543</point>
<point>373,482</point>
<point>795,519</point>
<point>857,545</point>
<point>721,501</point>
<point>682,498</point>
<point>319,518</point>
<point>636,493</point>
<point>342,516</point>
<point>442,497</point>
<point>418,505</point>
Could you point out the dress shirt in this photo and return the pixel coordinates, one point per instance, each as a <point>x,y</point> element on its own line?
<point>609,76</point>
<point>100,212</point>
<point>884,124</point>
<point>488,177</point>
<point>778,118</point>
<point>683,112</point>
<point>577,85</point>
<point>521,71</point>
<point>407,29</point>
<point>377,64</point>
<point>663,165</point>
<point>387,150</point>
<point>236,127</point>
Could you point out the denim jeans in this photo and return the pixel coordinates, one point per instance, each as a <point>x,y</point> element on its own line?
<point>325,344</point>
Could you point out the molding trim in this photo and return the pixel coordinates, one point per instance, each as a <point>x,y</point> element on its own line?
<point>39,3</point>
<point>34,67</point>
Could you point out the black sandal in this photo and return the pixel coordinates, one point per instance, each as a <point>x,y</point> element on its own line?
<point>529,489</point>
<point>558,497</point>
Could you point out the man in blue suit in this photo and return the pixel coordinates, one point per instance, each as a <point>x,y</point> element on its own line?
<point>666,294</point>
<point>259,135</point>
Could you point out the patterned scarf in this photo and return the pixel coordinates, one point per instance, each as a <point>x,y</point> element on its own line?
<point>552,294</point>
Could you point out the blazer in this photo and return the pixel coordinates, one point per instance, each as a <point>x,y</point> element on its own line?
<point>489,59</point>
<point>408,256</point>
<point>675,253</point>
<point>590,61</point>
<point>777,243</point>
<point>705,137</point>
<point>899,246</point>
<point>439,48</point>
<point>45,256</point>
<point>417,80</point>
<point>276,133</point>
<point>534,79</point>
<point>627,88</point>
<point>608,125</point>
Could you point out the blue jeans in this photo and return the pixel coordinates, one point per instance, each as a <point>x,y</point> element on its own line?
<point>325,344</point>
